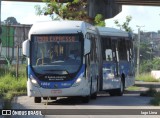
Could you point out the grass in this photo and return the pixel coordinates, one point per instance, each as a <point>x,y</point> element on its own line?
<point>11,86</point>
<point>151,92</point>
<point>146,77</point>
<point>133,88</point>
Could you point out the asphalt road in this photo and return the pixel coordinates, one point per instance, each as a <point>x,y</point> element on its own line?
<point>130,105</point>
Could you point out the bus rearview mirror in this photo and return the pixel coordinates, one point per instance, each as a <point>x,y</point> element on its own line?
<point>25,48</point>
<point>87,46</point>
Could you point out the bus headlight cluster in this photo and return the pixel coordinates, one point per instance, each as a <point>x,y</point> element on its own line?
<point>34,82</point>
<point>77,82</point>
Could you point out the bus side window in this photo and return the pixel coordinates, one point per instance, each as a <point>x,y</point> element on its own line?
<point>114,56</point>
<point>108,54</point>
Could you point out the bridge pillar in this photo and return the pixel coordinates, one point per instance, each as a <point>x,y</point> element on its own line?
<point>108,8</point>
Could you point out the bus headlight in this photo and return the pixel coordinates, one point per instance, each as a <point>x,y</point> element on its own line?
<point>34,82</point>
<point>77,82</point>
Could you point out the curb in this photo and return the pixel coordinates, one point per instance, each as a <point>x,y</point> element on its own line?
<point>147,84</point>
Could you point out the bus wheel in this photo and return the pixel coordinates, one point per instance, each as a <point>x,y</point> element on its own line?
<point>119,91</point>
<point>85,99</point>
<point>37,99</point>
<point>112,93</point>
<point>94,95</point>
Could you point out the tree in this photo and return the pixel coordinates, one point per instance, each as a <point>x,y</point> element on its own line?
<point>72,10</point>
<point>99,20</point>
<point>149,65</point>
<point>125,26</point>
<point>11,21</point>
<point>145,51</point>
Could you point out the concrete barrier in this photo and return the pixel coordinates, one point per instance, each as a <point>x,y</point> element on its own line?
<point>155,74</point>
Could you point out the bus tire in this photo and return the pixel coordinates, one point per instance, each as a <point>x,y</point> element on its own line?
<point>119,91</point>
<point>94,96</point>
<point>112,93</point>
<point>86,99</point>
<point>37,99</point>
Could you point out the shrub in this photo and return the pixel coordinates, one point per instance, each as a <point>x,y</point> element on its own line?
<point>151,92</point>
<point>10,85</point>
<point>148,65</point>
<point>146,77</point>
<point>156,100</point>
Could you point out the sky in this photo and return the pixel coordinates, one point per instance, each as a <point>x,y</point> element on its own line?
<point>146,16</point>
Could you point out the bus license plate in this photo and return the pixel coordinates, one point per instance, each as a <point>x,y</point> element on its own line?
<point>56,91</point>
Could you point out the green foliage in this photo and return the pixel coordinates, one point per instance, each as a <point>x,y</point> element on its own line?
<point>156,100</point>
<point>145,51</point>
<point>149,65</point>
<point>10,86</point>
<point>146,77</point>
<point>68,10</point>
<point>133,88</point>
<point>99,20</point>
<point>75,10</point>
<point>151,92</point>
<point>9,83</point>
<point>11,21</point>
<point>125,25</point>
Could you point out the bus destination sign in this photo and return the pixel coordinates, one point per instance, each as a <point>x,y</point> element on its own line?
<point>55,39</point>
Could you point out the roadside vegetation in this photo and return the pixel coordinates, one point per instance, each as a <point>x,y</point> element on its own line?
<point>11,86</point>
<point>156,100</point>
<point>152,92</point>
<point>133,88</point>
<point>146,77</point>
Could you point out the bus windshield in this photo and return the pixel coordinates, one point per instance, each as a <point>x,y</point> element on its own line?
<point>56,54</point>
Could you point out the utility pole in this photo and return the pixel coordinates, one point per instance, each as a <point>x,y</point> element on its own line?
<point>138,48</point>
<point>17,65</point>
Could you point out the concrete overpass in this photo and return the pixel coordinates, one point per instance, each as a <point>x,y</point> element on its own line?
<point>139,2</point>
<point>121,2</point>
<point>108,8</point>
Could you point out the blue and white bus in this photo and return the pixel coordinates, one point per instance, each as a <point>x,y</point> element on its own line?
<point>117,60</point>
<point>62,60</point>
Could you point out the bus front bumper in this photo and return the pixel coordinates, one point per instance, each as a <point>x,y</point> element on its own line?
<point>80,90</point>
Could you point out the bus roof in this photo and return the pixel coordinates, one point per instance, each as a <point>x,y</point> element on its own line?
<point>106,31</point>
<point>60,27</point>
